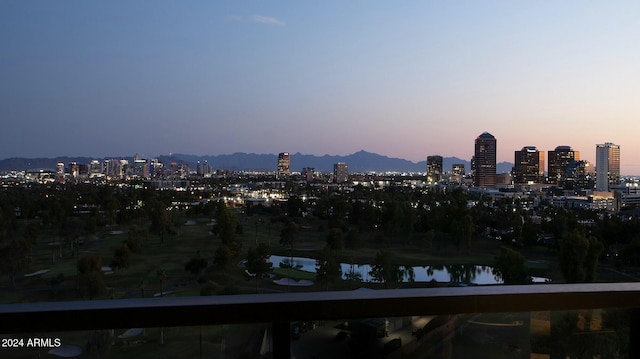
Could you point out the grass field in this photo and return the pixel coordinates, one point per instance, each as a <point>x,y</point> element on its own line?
<point>171,255</point>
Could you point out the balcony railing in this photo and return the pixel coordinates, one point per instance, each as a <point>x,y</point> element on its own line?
<point>283,309</point>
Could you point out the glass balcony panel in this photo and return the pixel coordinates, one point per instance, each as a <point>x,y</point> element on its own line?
<point>592,333</point>
<point>526,321</point>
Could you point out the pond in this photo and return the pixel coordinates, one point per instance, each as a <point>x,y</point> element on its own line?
<point>453,273</point>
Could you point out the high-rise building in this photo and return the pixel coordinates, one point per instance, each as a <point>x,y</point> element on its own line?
<point>74,171</point>
<point>83,171</point>
<point>458,169</point>
<point>308,174</point>
<point>284,165</point>
<point>112,168</point>
<point>204,169</point>
<point>60,172</point>
<point>434,169</point>
<point>484,161</point>
<point>579,175</point>
<point>141,167</point>
<point>340,172</point>
<point>95,168</point>
<point>178,170</point>
<point>607,166</point>
<point>458,172</point>
<point>528,165</point>
<point>559,159</point>
<point>156,168</point>
<point>125,168</point>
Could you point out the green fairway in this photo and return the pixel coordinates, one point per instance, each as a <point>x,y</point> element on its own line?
<point>170,255</point>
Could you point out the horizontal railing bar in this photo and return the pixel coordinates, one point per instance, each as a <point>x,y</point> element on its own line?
<point>267,308</point>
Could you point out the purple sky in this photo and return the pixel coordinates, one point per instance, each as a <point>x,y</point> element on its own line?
<point>403,79</point>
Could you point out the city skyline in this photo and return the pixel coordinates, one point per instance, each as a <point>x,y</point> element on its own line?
<point>403,80</point>
<point>547,169</point>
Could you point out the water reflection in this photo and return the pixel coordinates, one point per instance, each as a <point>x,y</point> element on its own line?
<point>457,273</point>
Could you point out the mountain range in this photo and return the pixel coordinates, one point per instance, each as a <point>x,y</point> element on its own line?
<point>361,161</point>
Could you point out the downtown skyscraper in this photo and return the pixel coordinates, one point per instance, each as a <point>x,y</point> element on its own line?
<point>559,160</point>
<point>340,172</point>
<point>607,166</point>
<point>484,161</point>
<point>434,169</point>
<point>529,165</point>
<point>284,165</point>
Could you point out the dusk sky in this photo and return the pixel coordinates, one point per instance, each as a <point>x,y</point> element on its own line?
<point>404,79</point>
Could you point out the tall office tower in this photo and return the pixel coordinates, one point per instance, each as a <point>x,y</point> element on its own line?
<point>340,172</point>
<point>140,167</point>
<point>83,171</point>
<point>607,166</point>
<point>458,169</point>
<point>484,161</point>
<point>94,168</point>
<point>105,168</point>
<point>74,171</point>
<point>284,164</point>
<point>559,159</point>
<point>178,170</point>
<point>308,174</point>
<point>204,169</point>
<point>434,169</point>
<point>156,168</point>
<point>125,168</point>
<point>60,172</point>
<point>528,165</point>
<point>579,175</point>
<point>112,169</point>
